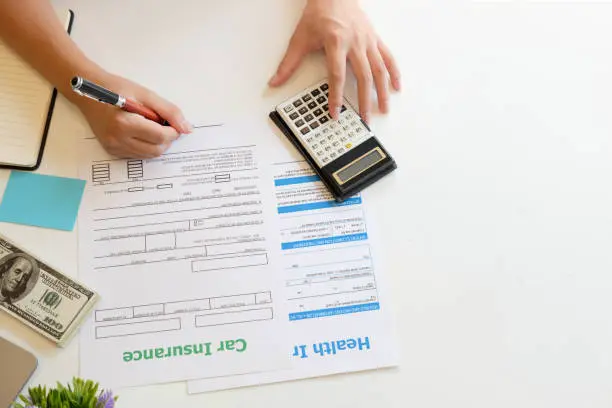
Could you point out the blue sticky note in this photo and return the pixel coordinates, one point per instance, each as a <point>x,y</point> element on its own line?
<point>42,201</point>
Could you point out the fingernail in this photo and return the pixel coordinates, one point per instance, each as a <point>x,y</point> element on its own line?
<point>336,113</point>
<point>366,117</point>
<point>187,127</point>
<point>273,80</point>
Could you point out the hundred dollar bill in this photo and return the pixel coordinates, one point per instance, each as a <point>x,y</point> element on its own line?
<point>40,296</point>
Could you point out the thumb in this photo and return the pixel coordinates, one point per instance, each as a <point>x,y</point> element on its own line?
<point>291,61</point>
<point>169,112</point>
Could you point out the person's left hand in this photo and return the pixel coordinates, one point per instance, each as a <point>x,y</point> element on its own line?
<point>342,29</point>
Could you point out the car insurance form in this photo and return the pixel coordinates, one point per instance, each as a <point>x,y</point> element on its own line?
<point>183,250</point>
<point>338,315</point>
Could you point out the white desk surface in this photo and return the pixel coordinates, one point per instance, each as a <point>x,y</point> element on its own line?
<point>498,222</point>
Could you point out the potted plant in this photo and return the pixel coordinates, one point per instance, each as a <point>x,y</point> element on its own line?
<point>79,394</point>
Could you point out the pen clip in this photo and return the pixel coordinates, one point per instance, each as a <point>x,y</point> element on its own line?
<point>81,93</point>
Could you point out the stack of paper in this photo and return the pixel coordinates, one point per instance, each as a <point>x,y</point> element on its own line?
<point>228,265</point>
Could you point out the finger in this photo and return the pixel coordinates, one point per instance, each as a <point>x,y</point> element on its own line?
<point>379,72</point>
<point>336,65</point>
<point>391,65</point>
<point>361,67</point>
<point>148,131</point>
<point>291,61</point>
<point>168,111</point>
<point>136,148</point>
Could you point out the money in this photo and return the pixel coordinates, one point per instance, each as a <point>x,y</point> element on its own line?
<point>40,296</point>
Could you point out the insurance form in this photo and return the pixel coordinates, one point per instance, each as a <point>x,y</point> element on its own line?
<point>183,250</point>
<point>338,315</point>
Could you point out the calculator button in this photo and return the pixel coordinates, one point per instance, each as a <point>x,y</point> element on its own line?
<point>354,123</point>
<point>318,112</point>
<point>315,146</point>
<point>328,148</point>
<point>331,137</point>
<point>318,135</point>
<point>321,99</point>
<point>297,103</point>
<point>359,130</point>
<point>323,120</point>
<point>338,133</point>
<point>341,121</point>
<point>314,125</point>
<point>340,151</point>
<point>324,87</point>
<point>323,141</point>
<point>336,144</point>
<point>325,159</point>
<point>294,116</point>
<point>299,123</point>
<point>303,110</point>
<point>315,93</point>
<point>326,107</point>
<point>333,155</point>
<point>288,108</point>
<point>305,130</point>
<point>351,134</point>
<point>309,140</point>
<point>345,128</point>
<point>320,153</point>
<point>348,145</point>
<point>343,139</point>
<point>333,126</point>
<point>312,105</point>
<point>306,98</point>
<point>308,117</point>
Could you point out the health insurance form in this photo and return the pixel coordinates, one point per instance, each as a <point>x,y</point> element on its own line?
<point>182,250</point>
<point>338,312</point>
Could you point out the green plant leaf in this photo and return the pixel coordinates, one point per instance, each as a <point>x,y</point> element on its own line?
<point>77,394</point>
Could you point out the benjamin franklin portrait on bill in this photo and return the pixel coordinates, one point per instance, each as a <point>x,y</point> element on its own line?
<point>18,275</point>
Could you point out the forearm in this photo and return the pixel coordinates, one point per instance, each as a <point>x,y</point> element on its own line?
<point>33,30</point>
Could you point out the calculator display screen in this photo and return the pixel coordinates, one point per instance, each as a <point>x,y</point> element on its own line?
<point>358,166</point>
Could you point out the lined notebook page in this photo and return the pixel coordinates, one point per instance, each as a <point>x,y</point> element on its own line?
<point>24,104</point>
<point>25,98</point>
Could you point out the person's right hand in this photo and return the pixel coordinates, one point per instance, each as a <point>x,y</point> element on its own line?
<point>128,135</point>
<point>343,30</point>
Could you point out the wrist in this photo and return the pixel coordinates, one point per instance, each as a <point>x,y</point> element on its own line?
<point>325,7</point>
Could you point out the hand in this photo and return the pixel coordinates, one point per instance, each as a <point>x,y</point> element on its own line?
<point>128,135</point>
<point>342,29</point>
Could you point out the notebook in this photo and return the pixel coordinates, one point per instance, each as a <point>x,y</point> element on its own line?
<point>26,108</point>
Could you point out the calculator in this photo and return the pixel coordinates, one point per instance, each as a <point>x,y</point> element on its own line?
<point>344,153</point>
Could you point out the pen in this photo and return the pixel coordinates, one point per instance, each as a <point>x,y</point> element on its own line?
<point>88,89</point>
